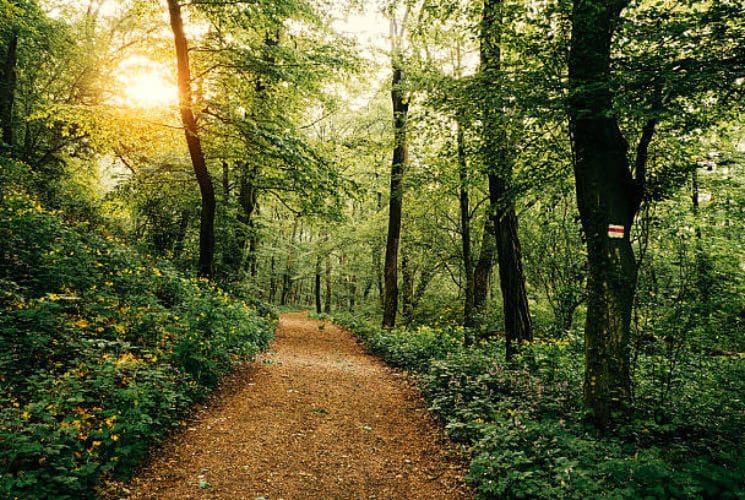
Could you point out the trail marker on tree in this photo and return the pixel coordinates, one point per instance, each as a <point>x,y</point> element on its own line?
<point>615,231</point>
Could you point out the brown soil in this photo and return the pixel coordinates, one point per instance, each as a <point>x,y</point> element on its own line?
<point>315,418</point>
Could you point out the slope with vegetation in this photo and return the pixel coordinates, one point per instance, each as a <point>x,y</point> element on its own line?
<point>103,348</point>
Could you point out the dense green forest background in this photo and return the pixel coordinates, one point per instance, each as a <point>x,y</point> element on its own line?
<point>455,171</point>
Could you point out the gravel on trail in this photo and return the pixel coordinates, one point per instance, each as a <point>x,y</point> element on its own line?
<point>315,417</point>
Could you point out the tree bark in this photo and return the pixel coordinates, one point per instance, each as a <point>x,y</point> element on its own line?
<point>327,305</point>
<point>517,322</point>
<point>484,265</point>
<point>8,79</point>
<point>606,194</point>
<point>352,292</point>
<point>247,199</point>
<point>398,166</point>
<point>317,290</point>
<point>376,258</point>
<point>225,182</point>
<point>289,267</point>
<point>703,268</point>
<point>465,229</point>
<point>425,277</point>
<point>407,289</point>
<point>207,220</point>
<point>272,279</point>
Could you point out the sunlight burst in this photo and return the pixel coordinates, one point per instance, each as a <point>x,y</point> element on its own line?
<point>144,83</point>
<point>150,90</point>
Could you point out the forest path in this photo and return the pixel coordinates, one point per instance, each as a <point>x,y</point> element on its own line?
<point>315,417</point>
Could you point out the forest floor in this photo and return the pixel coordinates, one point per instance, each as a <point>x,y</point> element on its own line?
<point>315,417</point>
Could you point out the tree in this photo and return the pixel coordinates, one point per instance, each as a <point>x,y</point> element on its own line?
<point>400,101</point>
<point>608,197</point>
<point>8,77</point>
<point>194,143</point>
<point>517,323</point>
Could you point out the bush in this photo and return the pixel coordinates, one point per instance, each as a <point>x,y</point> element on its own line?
<point>101,350</point>
<point>525,422</point>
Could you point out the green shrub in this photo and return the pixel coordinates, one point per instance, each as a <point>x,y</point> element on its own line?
<point>101,350</point>
<point>524,422</point>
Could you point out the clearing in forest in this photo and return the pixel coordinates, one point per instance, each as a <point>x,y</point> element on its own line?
<point>314,418</point>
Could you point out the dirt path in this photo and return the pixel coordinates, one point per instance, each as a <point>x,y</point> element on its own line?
<point>314,418</point>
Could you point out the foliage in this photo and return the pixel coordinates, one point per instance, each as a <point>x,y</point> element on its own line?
<point>102,349</point>
<point>526,428</point>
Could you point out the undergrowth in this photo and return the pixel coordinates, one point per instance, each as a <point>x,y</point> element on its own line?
<point>102,349</point>
<point>527,431</point>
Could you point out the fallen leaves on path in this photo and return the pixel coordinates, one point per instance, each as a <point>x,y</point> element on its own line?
<point>314,418</point>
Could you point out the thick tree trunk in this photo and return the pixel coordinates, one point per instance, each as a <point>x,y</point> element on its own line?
<point>607,195</point>
<point>8,78</point>
<point>398,166</point>
<point>484,266</point>
<point>465,230</point>
<point>517,323</point>
<point>207,222</point>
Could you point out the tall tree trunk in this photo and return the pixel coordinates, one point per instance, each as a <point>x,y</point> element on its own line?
<point>289,267</point>
<point>407,289</point>
<point>225,182</point>
<point>376,257</point>
<point>484,264</point>
<point>608,197</point>
<point>425,277</point>
<point>317,289</point>
<point>352,292</point>
<point>398,166</point>
<point>272,279</point>
<point>207,222</point>
<point>8,78</point>
<point>327,306</point>
<point>465,229</point>
<point>253,243</point>
<point>247,199</point>
<point>517,323</point>
<point>703,269</point>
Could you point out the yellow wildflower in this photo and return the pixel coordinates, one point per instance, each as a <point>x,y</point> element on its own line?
<point>81,323</point>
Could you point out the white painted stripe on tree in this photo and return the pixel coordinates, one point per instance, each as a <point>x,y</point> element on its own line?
<point>616,231</point>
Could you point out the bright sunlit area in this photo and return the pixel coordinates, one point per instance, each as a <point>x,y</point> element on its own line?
<point>146,84</point>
